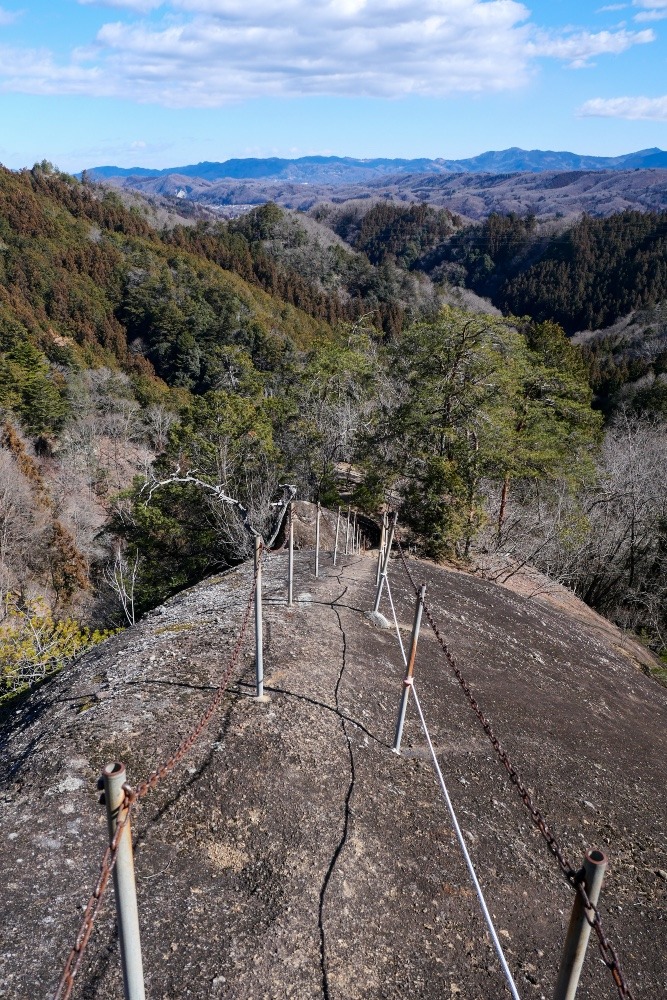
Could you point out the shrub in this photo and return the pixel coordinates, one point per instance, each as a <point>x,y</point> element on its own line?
<point>34,644</point>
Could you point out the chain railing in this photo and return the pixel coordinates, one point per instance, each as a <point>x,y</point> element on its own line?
<point>574,877</point>
<point>133,795</point>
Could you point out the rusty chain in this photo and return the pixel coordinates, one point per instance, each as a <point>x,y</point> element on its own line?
<point>609,956</point>
<point>133,795</point>
<point>107,866</point>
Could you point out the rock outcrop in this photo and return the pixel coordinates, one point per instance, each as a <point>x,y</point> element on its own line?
<point>293,854</point>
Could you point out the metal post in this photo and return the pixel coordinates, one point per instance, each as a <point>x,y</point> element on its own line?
<point>125,889</point>
<point>385,562</point>
<point>383,536</point>
<point>347,532</point>
<point>335,552</point>
<point>578,931</point>
<point>354,534</point>
<point>290,558</point>
<point>259,643</point>
<point>407,683</point>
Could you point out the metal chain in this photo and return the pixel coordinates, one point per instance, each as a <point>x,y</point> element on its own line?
<point>159,773</point>
<point>609,956</point>
<point>132,796</point>
<point>107,866</point>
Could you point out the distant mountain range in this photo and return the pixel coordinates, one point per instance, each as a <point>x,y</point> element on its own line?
<point>332,170</point>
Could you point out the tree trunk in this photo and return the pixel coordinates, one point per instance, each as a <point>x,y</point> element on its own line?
<point>503,507</point>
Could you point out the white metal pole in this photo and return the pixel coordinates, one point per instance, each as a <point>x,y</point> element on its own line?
<point>385,562</point>
<point>290,558</point>
<point>125,888</point>
<point>407,683</point>
<point>259,639</point>
<point>335,552</point>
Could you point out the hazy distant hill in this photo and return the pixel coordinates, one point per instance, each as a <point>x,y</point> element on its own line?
<point>547,195</point>
<point>347,169</point>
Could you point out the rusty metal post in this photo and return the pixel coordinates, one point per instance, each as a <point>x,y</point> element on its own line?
<point>347,532</point>
<point>335,551</point>
<point>579,929</point>
<point>290,558</point>
<point>259,638</point>
<point>407,683</point>
<point>125,889</point>
<point>385,563</point>
<point>317,539</point>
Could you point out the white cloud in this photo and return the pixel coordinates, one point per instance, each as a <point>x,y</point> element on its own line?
<point>204,53</point>
<point>7,16</point>
<point>140,6</point>
<point>577,50</point>
<point>634,108</point>
<point>651,10</point>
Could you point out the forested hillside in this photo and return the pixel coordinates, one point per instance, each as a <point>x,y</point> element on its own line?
<point>144,373</point>
<point>598,274</point>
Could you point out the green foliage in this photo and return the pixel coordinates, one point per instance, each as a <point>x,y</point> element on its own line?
<point>597,271</point>
<point>479,401</point>
<point>85,281</point>
<point>28,386</point>
<point>403,233</point>
<point>628,365</point>
<point>586,277</point>
<point>322,398</point>
<point>34,644</point>
<point>181,530</point>
<point>482,256</point>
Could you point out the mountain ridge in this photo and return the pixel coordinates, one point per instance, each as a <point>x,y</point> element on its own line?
<point>327,169</point>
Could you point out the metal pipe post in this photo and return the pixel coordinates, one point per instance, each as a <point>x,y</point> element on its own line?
<point>317,539</point>
<point>347,532</point>
<point>383,536</point>
<point>259,638</point>
<point>125,889</point>
<point>385,562</point>
<point>335,551</point>
<point>579,929</point>
<point>354,534</point>
<point>407,683</point>
<point>290,558</point>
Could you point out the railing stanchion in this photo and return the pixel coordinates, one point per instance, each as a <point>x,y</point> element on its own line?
<point>383,537</point>
<point>407,683</point>
<point>385,563</point>
<point>579,929</point>
<point>125,889</point>
<point>347,532</point>
<point>290,558</point>
<point>259,639</point>
<point>335,551</point>
<point>317,539</point>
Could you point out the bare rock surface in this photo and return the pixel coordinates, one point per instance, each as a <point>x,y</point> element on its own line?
<point>293,854</point>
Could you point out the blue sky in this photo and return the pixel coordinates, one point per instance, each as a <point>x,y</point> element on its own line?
<point>167,82</point>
